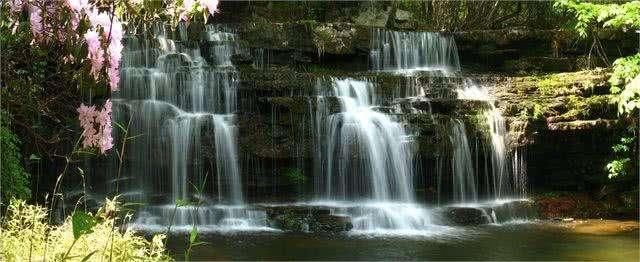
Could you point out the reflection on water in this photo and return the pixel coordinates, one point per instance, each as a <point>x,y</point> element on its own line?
<point>517,241</point>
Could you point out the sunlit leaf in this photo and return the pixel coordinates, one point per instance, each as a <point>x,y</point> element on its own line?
<point>82,223</point>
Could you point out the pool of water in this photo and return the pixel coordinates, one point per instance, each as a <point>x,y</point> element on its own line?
<point>514,241</point>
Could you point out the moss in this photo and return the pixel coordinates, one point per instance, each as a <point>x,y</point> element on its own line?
<point>334,38</point>
<point>570,83</point>
<point>259,31</point>
<point>294,176</point>
<point>589,107</point>
<point>534,110</point>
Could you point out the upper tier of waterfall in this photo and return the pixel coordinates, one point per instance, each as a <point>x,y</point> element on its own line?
<point>413,51</point>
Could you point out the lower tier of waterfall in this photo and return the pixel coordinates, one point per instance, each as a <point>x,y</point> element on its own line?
<point>216,218</point>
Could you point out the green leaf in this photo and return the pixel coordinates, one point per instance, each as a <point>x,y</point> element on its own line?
<point>120,126</point>
<point>199,243</point>
<point>33,157</point>
<point>82,223</point>
<point>134,137</point>
<point>88,256</point>
<point>182,202</point>
<point>194,235</point>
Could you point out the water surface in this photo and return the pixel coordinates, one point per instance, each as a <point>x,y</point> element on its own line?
<point>518,241</point>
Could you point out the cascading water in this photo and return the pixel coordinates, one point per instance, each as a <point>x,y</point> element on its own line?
<point>366,165</point>
<point>464,181</point>
<point>503,182</point>
<point>181,102</point>
<point>408,51</point>
<point>382,148</point>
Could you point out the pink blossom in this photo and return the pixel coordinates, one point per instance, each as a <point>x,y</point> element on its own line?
<point>114,78</point>
<point>95,52</point>
<point>104,120</point>
<point>99,19</point>
<point>75,20</point>
<point>210,5</point>
<point>16,5</point>
<point>97,126</point>
<point>115,55</point>
<point>35,19</point>
<point>86,115</point>
<point>77,5</point>
<point>117,32</point>
<point>187,5</point>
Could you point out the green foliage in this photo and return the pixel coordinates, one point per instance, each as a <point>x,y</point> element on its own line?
<point>625,70</point>
<point>533,110</point>
<point>621,165</point>
<point>25,235</point>
<point>42,86</point>
<point>14,179</point>
<point>333,39</point>
<point>82,224</point>
<point>193,242</point>
<point>589,16</point>
<point>618,167</point>
<point>295,176</point>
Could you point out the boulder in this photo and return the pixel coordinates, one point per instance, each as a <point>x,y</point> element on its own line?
<point>331,223</point>
<point>466,216</point>
<point>520,209</point>
<point>307,219</point>
<point>402,15</point>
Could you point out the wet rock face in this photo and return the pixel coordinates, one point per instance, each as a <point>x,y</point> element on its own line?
<point>307,219</point>
<point>521,209</point>
<point>331,223</point>
<point>466,216</point>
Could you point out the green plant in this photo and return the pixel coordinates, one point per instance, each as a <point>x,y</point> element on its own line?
<point>14,179</point>
<point>621,165</point>
<point>295,176</point>
<point>625,70</point>
<point>589,16</point>
<point>26,236</point>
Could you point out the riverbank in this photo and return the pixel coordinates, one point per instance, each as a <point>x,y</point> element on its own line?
<point>599,226</point>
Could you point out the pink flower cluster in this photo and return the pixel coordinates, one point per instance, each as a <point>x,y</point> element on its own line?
<point>104,49</point>
<point>52,20</point>
<point>187,7</point>
<point>111,36</point>
<point>97,126</point>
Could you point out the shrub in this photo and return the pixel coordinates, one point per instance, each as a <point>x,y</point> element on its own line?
<point>14,179</point>
<point>25,235</point>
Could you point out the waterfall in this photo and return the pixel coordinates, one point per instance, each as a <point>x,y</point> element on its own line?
<point>363,141</point>
<point>504,181</point>
<point>407,51</point>
<point>464,181</point>
<point>181,102</point>
<point>364,169</point>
